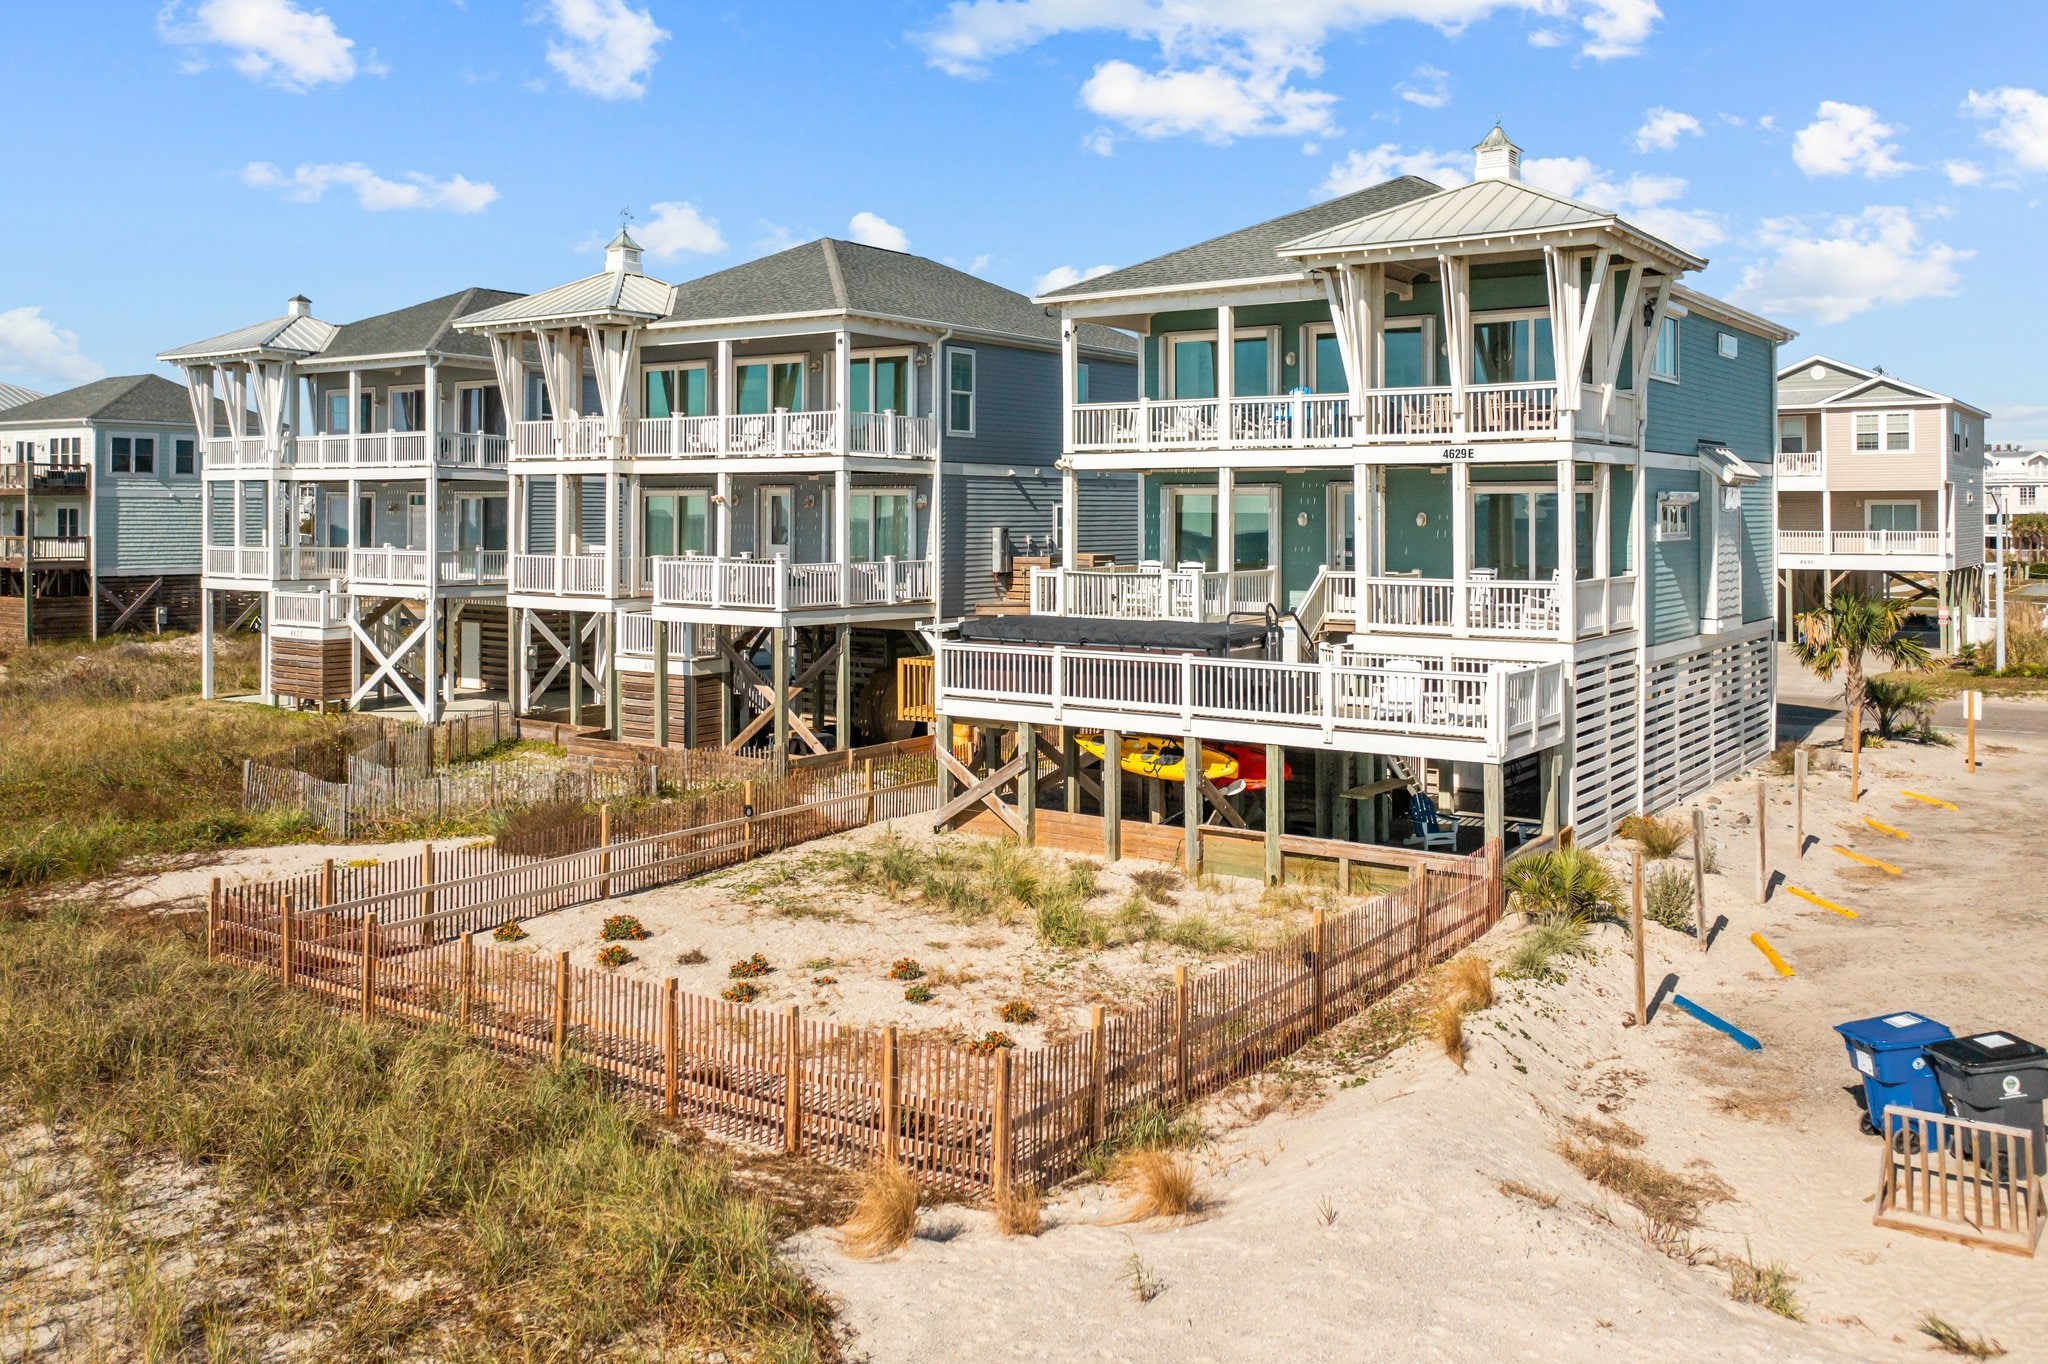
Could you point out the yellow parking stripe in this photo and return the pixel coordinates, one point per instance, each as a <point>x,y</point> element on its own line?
<point>1928,800</point>
<point>1886,828</point>
<point>1867,861</point>
<point>1811,898</point>
<point>1763,945</point>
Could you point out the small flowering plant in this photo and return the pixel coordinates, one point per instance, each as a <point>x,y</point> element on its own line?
<point>622,928</point>
<point>989,1043</point>
<point>509,933</point>
<point>1017,1011</point>
<point>906,968</point>
<point>741,992</point>
<point>613,957</point>
<point>749,968</point>
<point>824,980</point>
<point>918,994</point>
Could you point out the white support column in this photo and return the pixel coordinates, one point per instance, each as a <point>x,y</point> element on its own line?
<point>1226,520</point>
<point>1364,521</point>
<point>430,663</point>
<point>614,531</point>
<point>566,500</point>
<point>1567,549</point>
<point>355,410</point>
<point>431,403</point>
<point>1070,516</point>
<point>1461,546</point>
<point>723,520</point>
<point>1226,370</point>
<point>1070,377</point>
<point>842,386</point>
<point>1457,333</point>
<point>205,644</point>
<point>1603,511</point>
<point>521,674</point>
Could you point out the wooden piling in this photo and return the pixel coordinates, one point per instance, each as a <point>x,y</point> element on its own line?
<point>604,853</point>
<point>1004,1138</point>
<point>1635,920</point>
<point>1763,851</point>
<point>1799,804</point>
<point>467,988</point>
<point>792,1082</point>
<point>867,786</point>
<point>561,1033</point>
<point>326,882</point>
<point>1180,1033</point>
<point>213,907</point>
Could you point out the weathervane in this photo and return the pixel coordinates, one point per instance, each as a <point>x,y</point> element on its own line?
<point>625,216</point>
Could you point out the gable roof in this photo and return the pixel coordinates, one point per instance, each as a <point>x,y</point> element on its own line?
<point>831,278</point>
<point>1797,386</point>
<point>419,328</point>
<point>1483,208</point>
<point>1249,252</point>
<point>1851,385</point>
<point>296,334</point>
<point>608,293</point>
<point>127,397</point>
<point>12,395</point>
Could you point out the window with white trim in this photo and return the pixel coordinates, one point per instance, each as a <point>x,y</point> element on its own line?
<point>1674,515</point>
<point>1730,345</point>
<point>1664,359</point>
<point>183,456</point>
<point>959,392</point>
<point>1791,435</point>
<point>1890,432</point>
<point>2027,493</point>
<point>67,523</point>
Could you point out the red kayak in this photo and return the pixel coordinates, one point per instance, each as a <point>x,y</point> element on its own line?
<point>1251,765</point>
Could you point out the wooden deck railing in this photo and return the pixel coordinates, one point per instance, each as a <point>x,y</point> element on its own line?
<point>400,942</point>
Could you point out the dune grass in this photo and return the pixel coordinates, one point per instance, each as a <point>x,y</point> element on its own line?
<point>884,1217</point>
<point>1157,1183</point>
<point>556,1220</point>
<point>106,754</point>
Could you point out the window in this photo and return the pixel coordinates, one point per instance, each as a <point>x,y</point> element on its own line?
<point>1325,361</point>
<point>183,456</point>
<point>959,392</point>
<point>65,451</point>
<point>1882,516</point>
<point>1791,435</point>
<point>1890,431</point>
<point>480,523</point>
<point>879,383</point>
<point>407,409</point>
<point>1081,382</point>
<point>676,523</point>
<point>1959,439</point>
<point>879,524</point>
<point>680,392</point>
<point>337,413</point>
<point>1729,345</point>
<point>120,454</point>
<point>1515,529</point>
<point>479,410</point>
<point>1674,515</point>
<point>1511,348</point>
<point>1406,359</point>
<point>764,386</point>
<point>67,523</point>
<point>1664,360</point>
<point>145,454</point>
<point>1191,524</point>
<point>2026,497</point>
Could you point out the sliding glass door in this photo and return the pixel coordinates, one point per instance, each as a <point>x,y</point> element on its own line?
<point>879,383</point>
<point>763,386</point>
<point>1515,533</point>
<point>676,523</point>
<point>1191,527</point>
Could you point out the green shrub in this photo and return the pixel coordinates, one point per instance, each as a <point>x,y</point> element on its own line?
<point>1667,900</point>
<point>1567,885</point>
<point>1537,952</point>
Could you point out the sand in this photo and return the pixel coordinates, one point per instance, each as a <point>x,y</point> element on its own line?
<point>1372,1224</point>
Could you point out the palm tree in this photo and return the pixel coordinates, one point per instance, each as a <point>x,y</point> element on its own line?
<point>1567,885</point>
<point>1842,632</point>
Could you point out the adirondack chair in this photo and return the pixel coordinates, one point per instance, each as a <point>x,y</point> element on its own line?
<point>1430,830</point>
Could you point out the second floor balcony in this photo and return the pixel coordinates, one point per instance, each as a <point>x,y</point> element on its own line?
<point>774,434</point>
<point>358,568</point>
<point>710,583</point>
<point>1861,543</point>
<point>1525,411</point>
<point>20,476</point>
<point>373,450</point>
<point>52,551</point>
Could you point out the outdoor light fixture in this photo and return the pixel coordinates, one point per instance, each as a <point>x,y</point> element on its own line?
<point>718,499</point>
<point>1301,519</point>
<point>1422,518</point>
<point>921,503</point>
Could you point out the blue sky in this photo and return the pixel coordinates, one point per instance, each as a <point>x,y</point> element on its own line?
<point>1876,183</point>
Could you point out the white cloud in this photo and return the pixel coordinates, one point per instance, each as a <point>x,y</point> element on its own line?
<point>676,228</point>
<point>2022,423</point>
<point>1847,139</point>
<point>308,183</point>
<point>273,41</point>
<point>605,48</point>
<point>1427,86</point>
<point>1359,170</point>
<point>1209,102</point>
<point>1663,127</point>
<point>1547,37</point>
<point>1101,141</point>
<point>1876,256</point>
<point>2020,124</point>
<point>872,229</point>
<point>1228,68</point>
<point>1648,201</point>
<point>1062,276</point>
<point>1963,172</point>
<point>979,265</point>
<point>34,348</point>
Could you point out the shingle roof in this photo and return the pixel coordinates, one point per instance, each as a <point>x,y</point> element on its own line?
<point>1483,208</point>
<point>301,334</point>
<point>1251,252</point>
<point>421,327</point>
<point>832,277</point>
<point>607,293</point>
<point>127,397</point>
<point>12,395</point>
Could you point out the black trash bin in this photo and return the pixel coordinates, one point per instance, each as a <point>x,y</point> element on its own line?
<point>1995,1077</point>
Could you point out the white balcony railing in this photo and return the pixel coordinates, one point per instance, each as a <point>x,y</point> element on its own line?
<point>1887,542</point>
<point>471,449</point>
<point>1802,542</point>
<point>888,433</point>
<point>1801,464</point>
<point>52,549</point>
<point>405,567</point>
<point>315,561</point>
<point>1153,593</point>
<point>1317,419</point>
<point>324,609</point>
<point>566,575</point>
<point>463,567</point>
<point>246,561</point>
<point>685,641</point>
<point>576,438</point>
<point>699,580</point>
<point>1482,608</point>
<point>1509,708</point>
<point>1606,605</point>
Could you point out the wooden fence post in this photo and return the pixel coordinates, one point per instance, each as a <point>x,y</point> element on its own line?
<point>426,895</point>
<point>1972,703</point>
<point>284,940</point>
<point>213,909</point>
<point>604,855</point>
<point>1635,920</point>
<point>1856,753</point>
<point>1763,853</point>
<point>1418,898</point>
<point>326,882</point>
<point>368,951</point>
<point>1180,1032</point>
<point>1343,876</point>
<point>747,821</point>
<point>561,1038</point>
<point>868,785</point>
<point>792,1083</point>
<point>1003,1154</point>
<point>1798,805</point>
<point>668,1046</point>
<point>468,986</point>
<point>1699,871</point>
<point>1321,937</point>
<point>889,1097</point>
<point>1098,1072</point>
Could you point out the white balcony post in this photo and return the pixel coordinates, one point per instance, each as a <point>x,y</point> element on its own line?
<point>1058,682</point>
<point>431,402</point>
<point>842,391</point>
<point>1070,376</point>
<point>889,578</point>
<point>722,520</point>
<point>1567,549</point>
<point>1070,521</point>
<point>1827,521</point>
<point>842,521</point>
<point>1364,523</point>
<point>1457,330</point>
<point>1461,547</point>
<point>1226,520</point>
<point>614,531</point>
<point>1187,696</point>
<point>355,414</point>
<point>1226,371</point>
<point>1326,682</point>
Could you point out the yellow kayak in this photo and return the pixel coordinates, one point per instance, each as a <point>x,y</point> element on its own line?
<point>1164,759</point>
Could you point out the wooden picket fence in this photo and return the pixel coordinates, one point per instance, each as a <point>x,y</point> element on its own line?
<point>1961,1180</point>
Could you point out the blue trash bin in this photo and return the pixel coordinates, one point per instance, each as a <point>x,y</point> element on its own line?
<point>1887,1054</point>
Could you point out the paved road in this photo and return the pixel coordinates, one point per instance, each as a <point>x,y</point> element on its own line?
<point>1806,704</point>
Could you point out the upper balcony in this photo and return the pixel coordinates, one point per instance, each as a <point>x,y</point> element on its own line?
<point>779,434</point>
<point>47,551</point>
<point>369,451</point>
<point>1796,470</point>
<point>708,588</point>
<point>18,476</point>
<point>1872,549</point>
